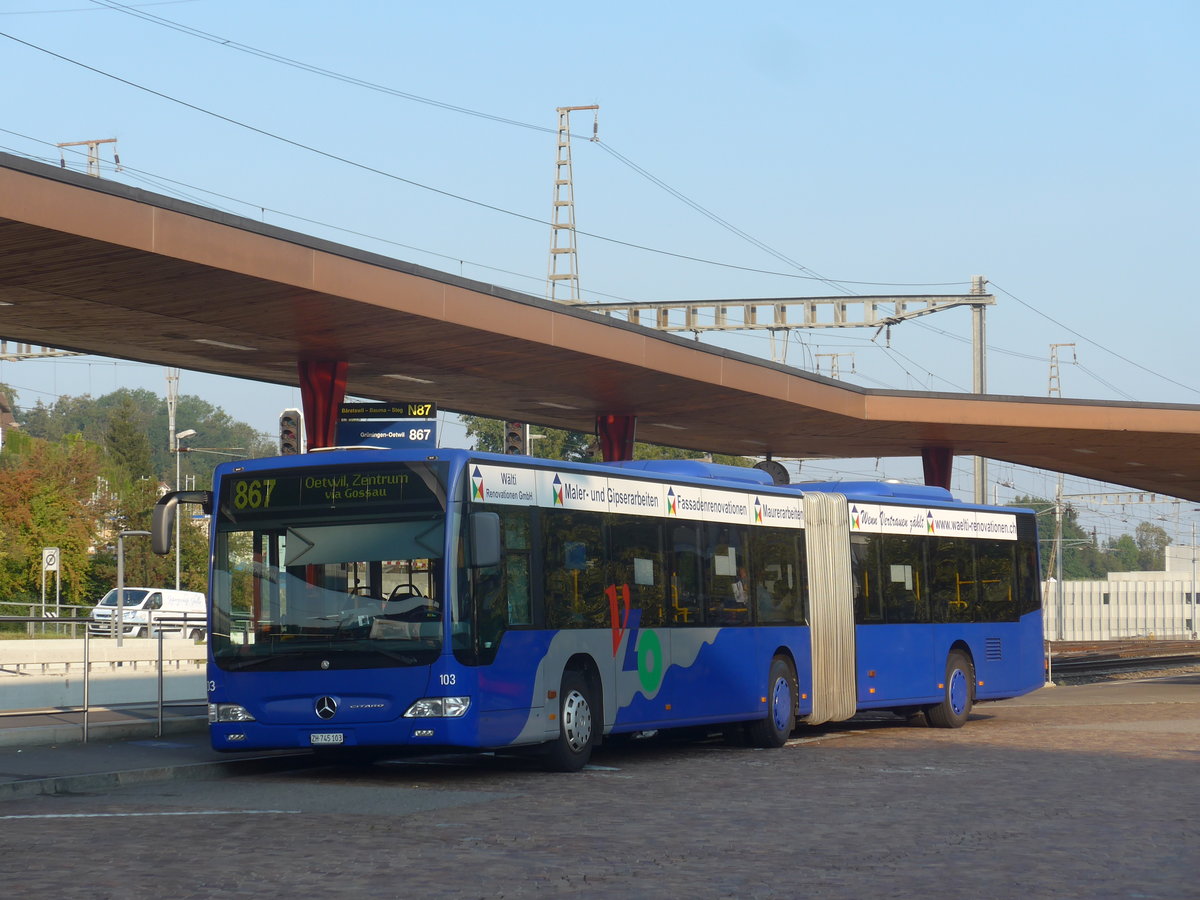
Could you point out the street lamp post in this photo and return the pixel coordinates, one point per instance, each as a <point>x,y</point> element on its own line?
<point>178,436</point>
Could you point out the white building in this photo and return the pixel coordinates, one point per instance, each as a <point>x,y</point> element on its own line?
<point>1127,605</point>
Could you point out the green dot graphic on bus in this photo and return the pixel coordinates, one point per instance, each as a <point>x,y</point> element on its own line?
<point>650,661</point>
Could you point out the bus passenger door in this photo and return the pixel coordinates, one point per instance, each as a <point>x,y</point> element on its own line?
<point>831,607</point>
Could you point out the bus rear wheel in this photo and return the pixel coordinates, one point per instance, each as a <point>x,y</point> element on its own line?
<point>572,749</point>
<point>777,727</point>
<point>958,694</point>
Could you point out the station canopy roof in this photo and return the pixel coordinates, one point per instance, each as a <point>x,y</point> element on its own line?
<point>102,268</point>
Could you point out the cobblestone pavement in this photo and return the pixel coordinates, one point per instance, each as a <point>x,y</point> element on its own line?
<point>1085,792</point>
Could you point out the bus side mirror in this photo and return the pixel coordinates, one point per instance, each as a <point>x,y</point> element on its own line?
<point>485,539</point>
<point>162,517</point>
<point>162,524</point>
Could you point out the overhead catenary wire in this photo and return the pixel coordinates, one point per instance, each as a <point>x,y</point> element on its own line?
<point>335,157</point>
<point>1094,343</point>
<point>183,189</point>
<point>229,43</point>
<point>683,198</point>
<point>146,177</point>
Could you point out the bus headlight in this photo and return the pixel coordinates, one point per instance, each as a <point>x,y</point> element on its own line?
<point>228,712</point>
<point>438,708</point>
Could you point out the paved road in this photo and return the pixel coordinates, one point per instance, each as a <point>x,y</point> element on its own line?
<point>1084,792</point>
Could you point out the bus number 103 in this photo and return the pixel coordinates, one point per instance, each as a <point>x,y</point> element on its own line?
<point>253,494</point>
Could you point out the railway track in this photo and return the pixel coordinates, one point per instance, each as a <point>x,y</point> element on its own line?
<point>1113,658</point>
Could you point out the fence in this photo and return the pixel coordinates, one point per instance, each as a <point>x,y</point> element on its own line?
<point>71,619</point>
<point>60,653</point>
<point>1120,610</point>
<point>61,619</point>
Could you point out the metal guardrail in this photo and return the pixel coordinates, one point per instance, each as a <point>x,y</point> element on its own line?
<point>85,709</point>
<point>60,624</point>
<point>155,623</point>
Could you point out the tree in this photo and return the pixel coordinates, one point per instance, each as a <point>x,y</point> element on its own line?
<point>1080,557</point>
<point>550,443</point>
<point>47,499</point>
<point>126,438</point>
<point>82,470</point>
<point>94,417</point>
<point>1121,554</point>
<point>1152,541</point>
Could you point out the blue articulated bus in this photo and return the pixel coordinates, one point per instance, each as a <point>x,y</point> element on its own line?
<point>436,600</point>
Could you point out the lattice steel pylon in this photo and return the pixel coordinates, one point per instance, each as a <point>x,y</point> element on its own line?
<point>562,225</point>
<point>1055,389</point>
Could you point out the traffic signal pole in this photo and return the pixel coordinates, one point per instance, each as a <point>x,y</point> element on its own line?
<point>291,431</point>
<point>516,438</point>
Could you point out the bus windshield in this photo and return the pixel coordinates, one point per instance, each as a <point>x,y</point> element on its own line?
<point>338,567</point>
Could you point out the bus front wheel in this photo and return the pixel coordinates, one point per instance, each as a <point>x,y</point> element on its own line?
<point>572,749</point>
<point>777,727</point>
<point>958,693</point>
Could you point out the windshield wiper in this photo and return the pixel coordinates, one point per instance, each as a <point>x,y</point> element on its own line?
<point>238,663</point>
<point>404,658</point>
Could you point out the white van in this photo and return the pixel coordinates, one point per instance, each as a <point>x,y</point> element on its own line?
<point>150,610</point>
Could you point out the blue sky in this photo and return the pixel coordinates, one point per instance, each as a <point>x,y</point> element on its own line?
<point>1051,147</point>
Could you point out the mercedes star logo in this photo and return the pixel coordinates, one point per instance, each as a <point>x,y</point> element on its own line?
<point>325,707</point>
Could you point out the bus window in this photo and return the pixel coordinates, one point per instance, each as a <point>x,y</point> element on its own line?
<point>573,551</point>
<point>777,592</point>
<point>995,565</point>
<point>864,564</point>
<point>901,578</point>
<point>726,581</point>
<point>501,593</point>
<point>683,556</point>
<point>1029,589</point>
<point>635,560</point>
<point>951,580</point>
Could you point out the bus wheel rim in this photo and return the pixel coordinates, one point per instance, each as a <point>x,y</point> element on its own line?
<point>781,699</point>
<point>958,692</point>
<point>577,721</point>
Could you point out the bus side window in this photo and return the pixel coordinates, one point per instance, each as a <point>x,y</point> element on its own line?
<point>573,549</point>
<point>1029,592</point>
<point>683,553</point>
<point>951,580</point>
<point>902,573</point>
<point>502,592</point>
<point>726,582</point>
<point>864,563</point>
<point>995,563</point>
<point>635,560</point>
<point>777,592</point>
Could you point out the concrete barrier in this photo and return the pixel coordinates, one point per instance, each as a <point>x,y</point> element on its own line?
<point>66,654</point>
<point>19,692</point>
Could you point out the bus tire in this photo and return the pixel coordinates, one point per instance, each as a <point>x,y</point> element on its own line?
<point>572,749</point>
<point>777,727</point>
<point>957,696</point>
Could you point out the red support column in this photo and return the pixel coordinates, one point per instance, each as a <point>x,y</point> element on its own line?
<point>616,436</point>
<point>938,463</point>
<point>322,390</point>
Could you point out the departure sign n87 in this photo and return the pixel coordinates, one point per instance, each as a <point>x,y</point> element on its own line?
<point>387,412</point>
<point>396,425</point>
